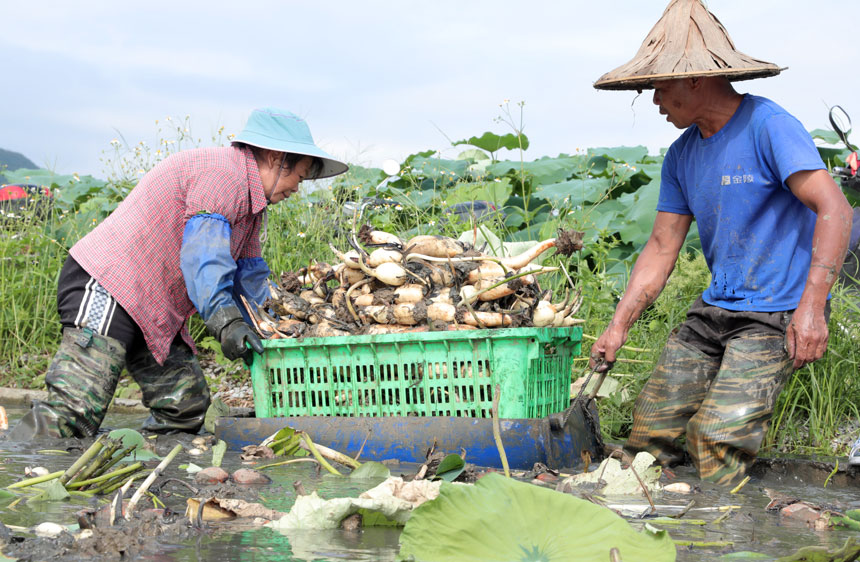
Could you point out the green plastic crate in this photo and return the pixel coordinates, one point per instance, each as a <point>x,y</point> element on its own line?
<point>418,374</point>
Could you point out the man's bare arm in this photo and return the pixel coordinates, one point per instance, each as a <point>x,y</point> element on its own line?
<point>806,336</point>
<point>649,276</point>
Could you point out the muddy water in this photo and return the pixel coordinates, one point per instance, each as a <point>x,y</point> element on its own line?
<point>748,528</point>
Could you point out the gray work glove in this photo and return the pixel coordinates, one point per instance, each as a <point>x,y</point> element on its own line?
<point>229,327</point>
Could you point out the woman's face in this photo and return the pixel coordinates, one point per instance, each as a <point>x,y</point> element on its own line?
<point>288,180</point>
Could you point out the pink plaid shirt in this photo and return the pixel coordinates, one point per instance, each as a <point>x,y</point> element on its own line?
<point>134,253</point>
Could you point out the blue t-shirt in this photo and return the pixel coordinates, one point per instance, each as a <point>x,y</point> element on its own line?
<point>756,235</point>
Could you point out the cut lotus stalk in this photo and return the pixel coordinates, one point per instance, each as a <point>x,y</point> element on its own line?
<point>150,479</point>
<point>329,453</point>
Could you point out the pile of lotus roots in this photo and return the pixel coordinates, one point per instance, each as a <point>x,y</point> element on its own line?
<point>385,285</point>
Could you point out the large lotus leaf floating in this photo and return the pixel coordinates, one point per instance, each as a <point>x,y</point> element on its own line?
<point>503,519</point>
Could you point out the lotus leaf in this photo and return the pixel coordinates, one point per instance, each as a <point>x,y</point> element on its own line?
<point>502,519</point>
<point>492,142</point>
<point>370,470</point>
<point>130,437</point>
<point>623,481</point>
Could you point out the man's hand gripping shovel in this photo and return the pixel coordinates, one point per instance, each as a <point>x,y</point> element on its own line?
<point>585,405</point>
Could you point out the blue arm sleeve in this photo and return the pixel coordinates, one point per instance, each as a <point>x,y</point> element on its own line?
<point>250,280</point>
<point>206,263</point>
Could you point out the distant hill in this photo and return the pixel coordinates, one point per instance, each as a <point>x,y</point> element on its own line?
<point>13,161</point>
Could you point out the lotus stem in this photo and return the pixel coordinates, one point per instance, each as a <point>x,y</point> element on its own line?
<point>671,521</point>
<point>116,458</point>
<point>105,477</point>
<point>318,456</point>
<point>112,484</point>
<point>722,517</point>
<point>121,483</point>
<point>336,456</point>
<point>740,485</point>
<point>497,431</point>
<point>281,463</point>
<point>704,544</point>
<point>35,480</point>
<point>82,461</point>
<point>102,458</point>
<point>150,479</point>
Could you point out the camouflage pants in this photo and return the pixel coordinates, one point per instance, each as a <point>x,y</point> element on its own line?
<point>83,375</point>
<point>99,340</point>
<point>715,383</point>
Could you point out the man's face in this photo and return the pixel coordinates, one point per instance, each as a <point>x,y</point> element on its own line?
<point>675,100</point>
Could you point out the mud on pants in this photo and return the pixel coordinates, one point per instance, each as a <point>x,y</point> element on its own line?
<point>83,376</point>
<point>722,404</point>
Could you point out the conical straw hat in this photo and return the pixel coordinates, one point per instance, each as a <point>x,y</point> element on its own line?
<point>687,41</point>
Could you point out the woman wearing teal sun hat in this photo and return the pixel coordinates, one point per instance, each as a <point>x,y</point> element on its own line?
<point>187,238</point>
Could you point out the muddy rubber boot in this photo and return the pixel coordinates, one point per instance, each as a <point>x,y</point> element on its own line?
<point>669,399</point>
<point>40,421</point>
<point>81,381</point>
<point>176,393</point>
<point>725,434</point>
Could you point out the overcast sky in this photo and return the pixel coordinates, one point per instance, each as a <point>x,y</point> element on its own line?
<point>380,79</point>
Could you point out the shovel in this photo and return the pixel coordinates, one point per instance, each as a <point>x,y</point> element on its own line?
<point>586,406</point>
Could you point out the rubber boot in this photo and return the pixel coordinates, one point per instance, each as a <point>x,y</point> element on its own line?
<point>81,381</point>
<point>669,399</point>
<point>724,436</point>
<point>176,392</point>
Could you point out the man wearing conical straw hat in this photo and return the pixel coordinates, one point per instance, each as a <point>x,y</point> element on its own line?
<point>774,229</point>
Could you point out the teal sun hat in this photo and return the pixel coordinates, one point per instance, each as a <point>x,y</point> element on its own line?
<point>283,131</point>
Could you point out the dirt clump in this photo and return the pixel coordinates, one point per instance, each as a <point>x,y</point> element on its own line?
<point>126,540</point>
